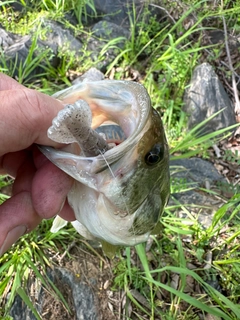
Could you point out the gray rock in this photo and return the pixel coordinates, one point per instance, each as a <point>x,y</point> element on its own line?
<point>19,310</point>
<point>6,39</point>
<point>84,300</point>
<point>204,97</point>
<point>15,52</point>
<point>122,11</point>
<point>117,11</point>
<point>116,15</point>
<point>16,48</point>
<point>92,74</point>
<point>195,173</point>
<point>59,37</point>
<point>103,33</point>
<point>108,30</point>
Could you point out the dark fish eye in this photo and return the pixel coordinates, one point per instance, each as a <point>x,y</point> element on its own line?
<point>154,155</point>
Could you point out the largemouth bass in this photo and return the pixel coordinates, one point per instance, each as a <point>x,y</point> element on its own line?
<point>119,191</point>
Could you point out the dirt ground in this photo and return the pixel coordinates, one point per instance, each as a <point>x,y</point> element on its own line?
<point>92,270</point>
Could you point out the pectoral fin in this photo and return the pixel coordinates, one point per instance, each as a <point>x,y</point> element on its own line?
<point>58,224</point>
<point>109,249</point>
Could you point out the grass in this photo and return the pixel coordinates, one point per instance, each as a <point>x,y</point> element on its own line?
<point>172,276</point>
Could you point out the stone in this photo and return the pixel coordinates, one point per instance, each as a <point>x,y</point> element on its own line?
<point>59,37</point>
<point>115,25</point>
<point>108,30</point>
<point>196,171</point>
<point>121,12</point>
<point>194,174</point>
<point>84,306</point>
<point>92,74</point>
<point>204,97</point>
<point>16,50</point>
<point>6,39</point>
<point>84,300</point>
<point>103,33</point>
<point>117,11</point>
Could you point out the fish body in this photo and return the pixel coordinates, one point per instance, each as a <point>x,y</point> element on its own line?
<point>119,193</point>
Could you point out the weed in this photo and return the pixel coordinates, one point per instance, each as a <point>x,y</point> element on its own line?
<point>27,259</point>
<point>23,70</point>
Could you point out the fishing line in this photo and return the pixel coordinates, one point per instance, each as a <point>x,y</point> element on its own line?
<point>114,177</point>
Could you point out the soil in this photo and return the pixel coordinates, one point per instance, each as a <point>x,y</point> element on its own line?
<point>89,269</point>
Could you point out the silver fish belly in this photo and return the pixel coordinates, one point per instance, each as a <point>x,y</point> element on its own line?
<point>119,193</point>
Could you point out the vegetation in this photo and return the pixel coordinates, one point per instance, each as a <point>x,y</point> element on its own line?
<point>185,272</point>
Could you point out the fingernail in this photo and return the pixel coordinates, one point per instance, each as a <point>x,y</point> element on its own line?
<point>12,237</point>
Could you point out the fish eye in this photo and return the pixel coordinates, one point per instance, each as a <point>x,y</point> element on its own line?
<point>154,155</point>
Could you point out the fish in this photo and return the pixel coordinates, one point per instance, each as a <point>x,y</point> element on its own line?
<point>117,153</point>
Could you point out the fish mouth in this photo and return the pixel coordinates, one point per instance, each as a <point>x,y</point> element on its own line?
<point>123,103</point>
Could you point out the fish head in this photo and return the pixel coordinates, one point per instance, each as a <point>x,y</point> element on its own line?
<point>118,196</point>
<point>138,183</point>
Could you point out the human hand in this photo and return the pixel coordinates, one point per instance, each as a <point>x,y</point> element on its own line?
<point>40,188</point>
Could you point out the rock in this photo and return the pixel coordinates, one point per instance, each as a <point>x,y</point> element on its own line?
<point>17,6</point>
<point>195,173</point>
<point>117,11</point>
<point>108,30</point>
<point>59,37</point>
<point>16,50</point>
<point>103,33</point>
<point>6,39</point>
<point>84,300</point>
<point>84,303</point>
<point>204,97</point>
<point>122,11</point>
<point>92,74</point>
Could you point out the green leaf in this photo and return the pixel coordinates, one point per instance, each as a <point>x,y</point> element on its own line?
<point>28,302</point>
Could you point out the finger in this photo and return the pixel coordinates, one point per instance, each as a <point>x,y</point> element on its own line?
<point>11,162</point>
<point>25,116</point>
<point>25,174</point>
<point>50,187</point>
<point>9,165</point>
<point>7,83</point>
<point>39,160</point>
<point>67,212</point>
<point>38,157</point>
<point>17,216</point>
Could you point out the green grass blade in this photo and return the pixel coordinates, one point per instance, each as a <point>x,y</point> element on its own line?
<point>28,302</point>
